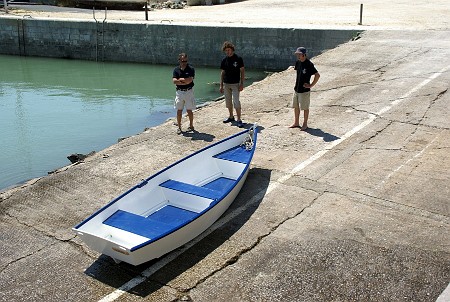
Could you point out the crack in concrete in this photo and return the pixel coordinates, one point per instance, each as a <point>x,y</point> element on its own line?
<point>391,121</point>
<point>361,197</point>
<point>346,86</point>
<point>375,134</point>
<point>42,232</point>
<point>413,53</point>
<point>321,189</point>
<point>2,269</point>
<point>432,102</point>
<point>237,256</point>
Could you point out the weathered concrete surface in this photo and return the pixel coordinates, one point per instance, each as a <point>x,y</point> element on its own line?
<point>354,209</point>
<point>381,14</point>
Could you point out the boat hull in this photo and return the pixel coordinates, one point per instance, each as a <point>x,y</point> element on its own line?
<point>122,229</point>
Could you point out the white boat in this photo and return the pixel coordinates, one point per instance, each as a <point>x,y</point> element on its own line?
<point>174,206</point>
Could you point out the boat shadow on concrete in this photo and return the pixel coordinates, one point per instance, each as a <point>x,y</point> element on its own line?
<point>113,274</point>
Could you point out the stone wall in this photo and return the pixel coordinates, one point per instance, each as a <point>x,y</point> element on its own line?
<point>262,48</point>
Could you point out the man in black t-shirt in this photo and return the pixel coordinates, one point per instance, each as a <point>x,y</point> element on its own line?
<point>232,81</point>
<point>301,98</point>
<point>183,78</point>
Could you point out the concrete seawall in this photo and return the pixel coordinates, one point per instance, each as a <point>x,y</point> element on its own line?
<point>263,48</point>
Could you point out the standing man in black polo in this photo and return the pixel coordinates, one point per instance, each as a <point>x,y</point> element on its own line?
<point>183,78</point>
<point>232,81</point>
<point>301,98</point>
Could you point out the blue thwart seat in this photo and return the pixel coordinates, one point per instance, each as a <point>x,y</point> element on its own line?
<point>172,215</point>
<point>191,189</point>
<point>237,154</point>
<point>221,184</point>
<point>155,225</point>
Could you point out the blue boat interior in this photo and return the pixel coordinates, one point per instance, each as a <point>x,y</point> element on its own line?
<point>170,217</point>
<point>237,154</point>
<point>191,189</point>
<point>160,222</point>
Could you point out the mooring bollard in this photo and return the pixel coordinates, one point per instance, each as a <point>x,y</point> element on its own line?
<point>5,5</point>
<point>360,14</point>
<point>146,10</point>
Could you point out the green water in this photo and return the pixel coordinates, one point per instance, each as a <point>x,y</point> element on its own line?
<point>51,108</point>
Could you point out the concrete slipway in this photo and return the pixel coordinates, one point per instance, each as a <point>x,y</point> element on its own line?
<point>354,209</point>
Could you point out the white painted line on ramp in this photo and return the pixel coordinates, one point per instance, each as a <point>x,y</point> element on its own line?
<point>445,296</point>
<point>173,255</point>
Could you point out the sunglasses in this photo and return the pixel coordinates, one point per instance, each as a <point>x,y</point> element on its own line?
<point>183,61</point>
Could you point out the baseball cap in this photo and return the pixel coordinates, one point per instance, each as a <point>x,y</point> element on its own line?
<point>301,50</point>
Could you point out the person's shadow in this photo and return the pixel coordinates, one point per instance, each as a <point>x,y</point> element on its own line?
<point>327,137</point>
<point>196,136</point>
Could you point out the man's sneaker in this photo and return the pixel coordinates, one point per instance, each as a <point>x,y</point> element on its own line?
<point>240,124</point>
<point>228,120</point>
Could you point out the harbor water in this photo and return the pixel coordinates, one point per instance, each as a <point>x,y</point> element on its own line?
<point>51,108</point>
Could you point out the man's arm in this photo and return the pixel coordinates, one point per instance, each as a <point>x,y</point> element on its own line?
<point>241,83</point>
<point>178,81</point>
<point>222,74</point>
<point>316,79</point>
<point>182,81</point>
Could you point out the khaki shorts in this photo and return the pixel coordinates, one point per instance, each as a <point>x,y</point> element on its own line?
<point>231,92</point>
<point>185,99</point>
<point>301,98</point>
